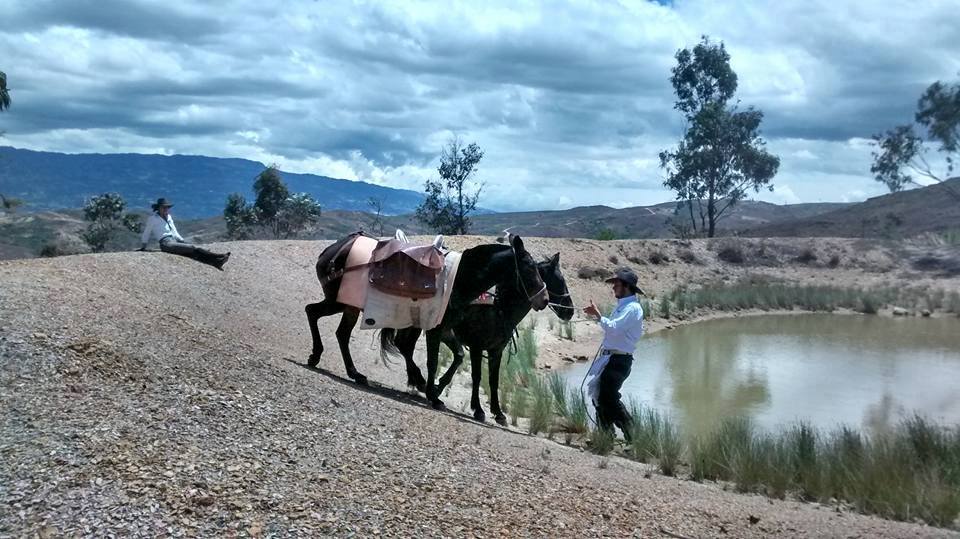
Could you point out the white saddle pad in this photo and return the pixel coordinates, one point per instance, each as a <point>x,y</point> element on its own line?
<point>382,310</point>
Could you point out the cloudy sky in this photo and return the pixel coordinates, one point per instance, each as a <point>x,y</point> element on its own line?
<point>570,101</point>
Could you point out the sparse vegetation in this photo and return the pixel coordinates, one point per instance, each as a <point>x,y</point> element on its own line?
<point>601,441</point>
<point>658,257</point>
<point>107,219</point>
<point>275,211</point>
<point>731,252</point>
<point>754,292</point>
<point>688,256</point>
<point>592,272</point>
<point>605,234</point>
<point>807,256</point>
<point>565,330</point>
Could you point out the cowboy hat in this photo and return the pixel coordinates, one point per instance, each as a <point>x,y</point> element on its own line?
<point>627,277</point>
<point>162,202</point>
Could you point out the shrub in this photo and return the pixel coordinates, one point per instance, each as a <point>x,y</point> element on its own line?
<point>731,253</point>
<point>665,307</point>
<point>606,234</point>
<point>601,441</point>
<point>807,256</point>
<point>658,257</point>
<point>541,412</point>
<point>688,256</point>
<point>834,261</point>
<point>592,272</point>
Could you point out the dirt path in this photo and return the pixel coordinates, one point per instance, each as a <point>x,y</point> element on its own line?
<point>145,394</point>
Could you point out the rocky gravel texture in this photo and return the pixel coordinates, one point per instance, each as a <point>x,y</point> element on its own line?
<point>143,394</point>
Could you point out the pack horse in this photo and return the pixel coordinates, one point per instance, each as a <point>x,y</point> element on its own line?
<point>398,285</point>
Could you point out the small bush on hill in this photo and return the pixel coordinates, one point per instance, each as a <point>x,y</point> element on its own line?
<point>658,257</point>
<point>591,272</point>
<point>807,256</point>
<point>688,256</point>
<point>731,253</point>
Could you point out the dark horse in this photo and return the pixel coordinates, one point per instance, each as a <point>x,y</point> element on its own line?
<point>481,268</point>
<point>486,327</point>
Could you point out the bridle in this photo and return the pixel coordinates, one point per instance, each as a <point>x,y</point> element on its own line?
<point>523,286</point>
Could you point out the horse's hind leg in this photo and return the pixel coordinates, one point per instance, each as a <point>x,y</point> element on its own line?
<point>498,415</point>
<point>454,345</point>
<point>476,365</point>
<point>316,311</point>
<point>407,343</point>
<point>347,323</point>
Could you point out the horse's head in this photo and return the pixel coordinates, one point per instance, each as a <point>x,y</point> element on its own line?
<point>560,300</point>
<point>528,275</point>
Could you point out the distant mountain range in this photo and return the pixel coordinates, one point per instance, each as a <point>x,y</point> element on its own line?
<point>199,185</point>
<point>639,221</point>
<point>935,208</point>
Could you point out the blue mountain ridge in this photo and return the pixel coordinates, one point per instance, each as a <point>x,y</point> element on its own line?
<point>197,184</point>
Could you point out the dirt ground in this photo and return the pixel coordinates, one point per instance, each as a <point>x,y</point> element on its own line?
<point>145,394</point>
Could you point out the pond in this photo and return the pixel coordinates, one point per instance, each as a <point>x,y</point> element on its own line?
<point>828,369</point>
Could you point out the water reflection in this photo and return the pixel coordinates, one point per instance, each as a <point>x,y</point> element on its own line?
<point>864,371</point>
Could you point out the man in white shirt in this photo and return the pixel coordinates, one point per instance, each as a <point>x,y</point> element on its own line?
<point>160,225</point>
<point>621,331</point>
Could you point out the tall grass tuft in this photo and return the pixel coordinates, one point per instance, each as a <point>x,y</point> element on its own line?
<point>565,330</point>
<point>541,406</point>
<point>558,390</point>
<point>601,441</point>
<point>665,307</point>
<point>644,432</point>
<point>577,419</point>
<point>669,447</point>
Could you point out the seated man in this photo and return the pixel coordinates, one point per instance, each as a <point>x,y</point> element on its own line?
<point>160,225</point>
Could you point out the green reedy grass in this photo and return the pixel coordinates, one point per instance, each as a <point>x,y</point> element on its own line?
<point>670,447</point>
<point>601,441</point>
<point>763,293</point>
<point>644,432</point>
<point>577,420</point>
<point>664,307</point>
<point>541,406</point>
<point>558,391</point>
<point>565,330</point>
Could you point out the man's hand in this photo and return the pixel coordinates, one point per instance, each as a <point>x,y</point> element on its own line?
<point>592,311</point>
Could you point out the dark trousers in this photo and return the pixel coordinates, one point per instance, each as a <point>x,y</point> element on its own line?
<point>169,245</point>
<point>610,409</point>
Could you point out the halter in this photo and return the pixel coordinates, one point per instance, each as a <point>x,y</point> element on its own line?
<point>523,286</point>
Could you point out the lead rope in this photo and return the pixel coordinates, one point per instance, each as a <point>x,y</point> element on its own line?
<point>584,381</point>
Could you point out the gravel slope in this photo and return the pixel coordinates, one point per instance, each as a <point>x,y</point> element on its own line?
<point>145,394</point>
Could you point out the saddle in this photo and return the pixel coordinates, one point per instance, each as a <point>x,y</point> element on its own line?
<point>410,271</point>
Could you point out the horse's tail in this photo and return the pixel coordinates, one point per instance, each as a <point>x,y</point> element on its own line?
<point>388,345</point>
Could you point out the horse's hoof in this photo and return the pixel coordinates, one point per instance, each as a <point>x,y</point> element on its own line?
<point>313,360</point>
<point>359,379</point>
<point>438,404</point>
<point>478,415</point>
<point>501,420</point>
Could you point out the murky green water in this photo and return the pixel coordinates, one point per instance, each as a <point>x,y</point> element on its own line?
<point>864,371</point>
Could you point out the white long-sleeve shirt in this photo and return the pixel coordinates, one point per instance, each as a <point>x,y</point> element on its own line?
<point>158,227</point>
<point>624,327</point>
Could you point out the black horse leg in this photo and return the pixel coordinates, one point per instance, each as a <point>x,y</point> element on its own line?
<point>454,345</point>
<point>476,366</point>
<point>433,357</point>
<point>406,343</point>
<point>495,356</point>
<point>347,323</point>
<point>316,311</point>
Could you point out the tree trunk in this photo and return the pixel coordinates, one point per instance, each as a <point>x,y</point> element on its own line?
<point>692,220</point>
<point>711,208</point>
